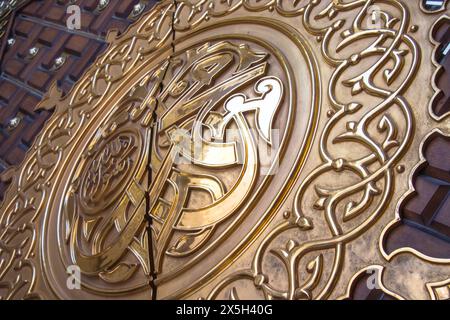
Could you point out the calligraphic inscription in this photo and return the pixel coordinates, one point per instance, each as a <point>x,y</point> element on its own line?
<point>229,150</point>
<point>189,145</point>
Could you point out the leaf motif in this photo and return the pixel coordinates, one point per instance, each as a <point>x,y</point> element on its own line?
<point>186,244</point>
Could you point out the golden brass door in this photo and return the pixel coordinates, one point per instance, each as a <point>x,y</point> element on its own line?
<point>236,149</point>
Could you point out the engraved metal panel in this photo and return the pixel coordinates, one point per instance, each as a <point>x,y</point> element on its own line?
<point>232,150</point>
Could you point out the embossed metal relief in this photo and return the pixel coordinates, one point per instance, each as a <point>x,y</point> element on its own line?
<point>6,8</point>
<point>231,150</point>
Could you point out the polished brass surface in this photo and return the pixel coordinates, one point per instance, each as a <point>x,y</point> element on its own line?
<point>231,150</point>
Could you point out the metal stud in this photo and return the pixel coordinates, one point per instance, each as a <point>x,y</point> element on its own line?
<point>14,122</point>
<point>59,61</point>
<point>102,4</point>
<point>33,51</point>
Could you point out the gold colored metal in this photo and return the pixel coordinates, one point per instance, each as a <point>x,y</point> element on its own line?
<point>439,69</point>
<point>230,150</point>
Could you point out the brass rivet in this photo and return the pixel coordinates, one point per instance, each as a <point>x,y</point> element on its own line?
<point>102,4</point>
<point>14,122</point>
